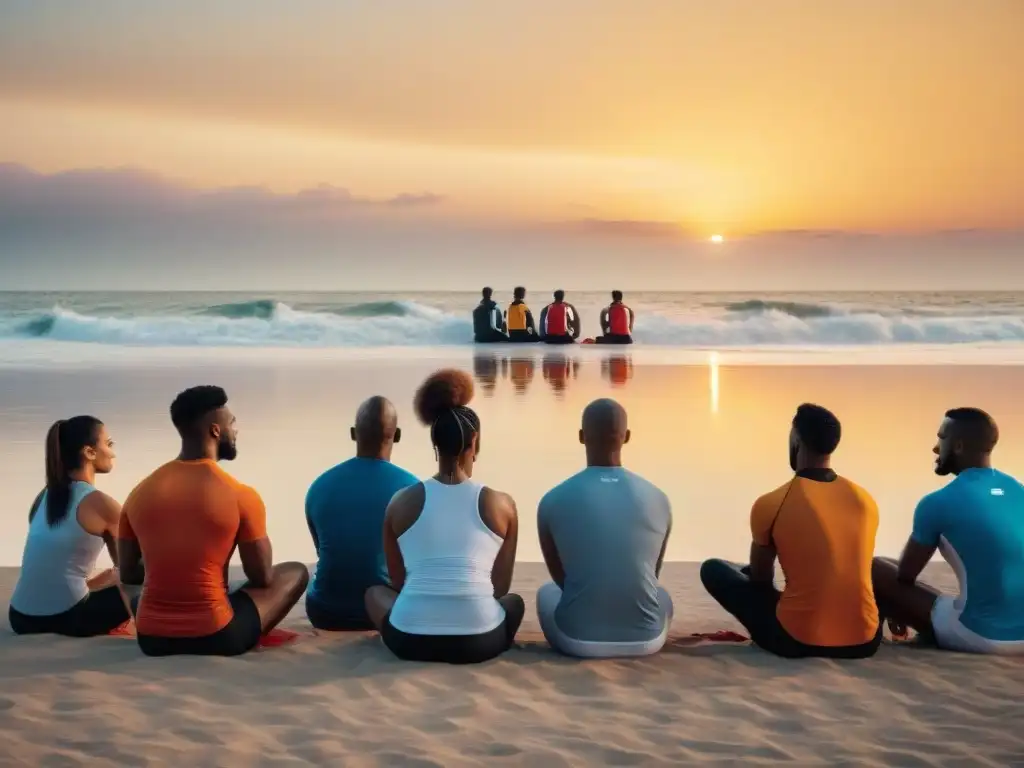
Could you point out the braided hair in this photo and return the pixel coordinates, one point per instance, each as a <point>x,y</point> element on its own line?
<point>442,403</point>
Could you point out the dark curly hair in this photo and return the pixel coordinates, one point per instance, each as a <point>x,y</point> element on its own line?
<point>442,403</point>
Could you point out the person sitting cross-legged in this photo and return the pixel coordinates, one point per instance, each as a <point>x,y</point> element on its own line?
<point>603,534</point>
<point>822,529</point>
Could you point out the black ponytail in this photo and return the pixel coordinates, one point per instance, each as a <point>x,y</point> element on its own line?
<point>64,443</point>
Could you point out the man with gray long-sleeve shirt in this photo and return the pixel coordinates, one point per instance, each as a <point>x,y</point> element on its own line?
<point>603,534</point>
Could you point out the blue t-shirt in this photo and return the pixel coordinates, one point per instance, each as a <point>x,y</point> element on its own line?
<point>977,521</point>
<point>345,510</point>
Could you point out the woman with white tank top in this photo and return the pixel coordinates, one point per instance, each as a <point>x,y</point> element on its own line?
<point>450,545</point>
<point>69,523</point>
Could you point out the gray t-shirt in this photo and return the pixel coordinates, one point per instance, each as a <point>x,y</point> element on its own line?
<point>609,526</point>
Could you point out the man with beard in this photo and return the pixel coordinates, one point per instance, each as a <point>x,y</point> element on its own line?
<point>821,527</point>
<point>977,523</point>
<point>178,530</point>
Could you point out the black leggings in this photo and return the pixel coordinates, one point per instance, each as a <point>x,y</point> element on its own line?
<point>522,337</point>
<point>96,614</point>
<point>457,649</point>
<point>559,340</point>
<point>240,635</point>
<point>754,606</point>
<point>614,338</point>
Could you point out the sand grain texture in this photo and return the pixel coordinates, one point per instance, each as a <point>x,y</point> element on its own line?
<point>343,700</point>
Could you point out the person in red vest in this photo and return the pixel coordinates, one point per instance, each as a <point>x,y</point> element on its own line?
<point>616,322</point>
<point>559,321</point>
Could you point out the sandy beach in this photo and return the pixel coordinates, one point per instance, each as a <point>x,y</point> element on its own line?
<point>344,700</point>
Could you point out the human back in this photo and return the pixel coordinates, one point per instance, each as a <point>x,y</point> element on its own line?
<point>345,508</point>
<point>610,553</point>
<point>187,517</point>
<point>978,521</point>
<point>824,530</point>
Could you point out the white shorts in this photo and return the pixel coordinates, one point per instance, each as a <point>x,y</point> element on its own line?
<point>951,635</point>
<point>548,597</point>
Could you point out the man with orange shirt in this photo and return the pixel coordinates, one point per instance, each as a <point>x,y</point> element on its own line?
<point>183,522</point>
<point>822,528</point>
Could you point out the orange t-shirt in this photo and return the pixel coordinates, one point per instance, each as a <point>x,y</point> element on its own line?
<point>188,517</point>
<point>824,533</point>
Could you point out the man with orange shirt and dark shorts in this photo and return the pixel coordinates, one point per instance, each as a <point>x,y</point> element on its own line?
<point>822,528</point>
<point>178,531</point>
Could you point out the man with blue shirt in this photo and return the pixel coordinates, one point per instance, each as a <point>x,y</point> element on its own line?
<point>345,512</point>
<point>603,534</point>
<point>977,524</point>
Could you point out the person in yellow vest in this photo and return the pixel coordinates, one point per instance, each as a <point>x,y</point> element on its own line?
<point>519,319</point>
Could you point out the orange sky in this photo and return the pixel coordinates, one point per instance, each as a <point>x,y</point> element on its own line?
<point>732,116</point>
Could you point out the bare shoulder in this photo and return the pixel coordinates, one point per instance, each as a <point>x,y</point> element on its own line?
<point>102,504</point>
<point>497,502</point>
<point>405,507</point>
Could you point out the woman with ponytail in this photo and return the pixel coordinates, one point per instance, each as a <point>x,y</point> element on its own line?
<point>450,545</point>
<point>68,525</point>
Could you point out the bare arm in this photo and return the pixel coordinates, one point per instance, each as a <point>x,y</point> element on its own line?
<point>257,562</point>
<point>913,560</point>
<point>403,510</point>
<point>604,321</point>
<point>502,517</point>
<point>100,515</point>
<point>551,557</point>
<point>129,562</point>
<point>762,563</point>
<point>577,322</point>
<point>664,546</point>
<point>631,317</point>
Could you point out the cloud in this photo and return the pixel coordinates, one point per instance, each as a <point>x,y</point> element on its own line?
<point>100,193</point>
<point>628,228</point>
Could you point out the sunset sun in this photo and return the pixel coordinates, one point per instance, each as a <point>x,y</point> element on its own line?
<point>717,239</point>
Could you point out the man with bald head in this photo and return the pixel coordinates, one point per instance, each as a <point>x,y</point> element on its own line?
<point>345,512</point>
<point>976,522</point>
<point>603,534</point>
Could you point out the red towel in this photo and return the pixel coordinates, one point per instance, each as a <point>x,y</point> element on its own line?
<point>124,630</point>
<point>721,636</point>
<point>277,637</point>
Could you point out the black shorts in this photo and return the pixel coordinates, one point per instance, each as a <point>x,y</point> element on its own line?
<point>240,635</point>
<point>522,337</point>
<point>614,338</point>
<point>559,340</point>
<point>332,620</point>
<point>448,649</point>
<point>96,614</point>
<point>754,606</point>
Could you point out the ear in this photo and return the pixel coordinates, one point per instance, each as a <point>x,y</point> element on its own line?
<point>352,433</point>
<point>89,452</point>
<point>398,434</point>
<point>626,440</point>
<point>582,441</point>
<point>215,431</point>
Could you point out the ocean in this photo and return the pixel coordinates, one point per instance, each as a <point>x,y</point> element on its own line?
<point>668,320</point>
<point>710,387</point>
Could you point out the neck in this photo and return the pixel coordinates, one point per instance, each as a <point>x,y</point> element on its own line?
<point>604,458</point>
<point>85,475</point>
<point>977,462</point>
<point>379,452</point>
<point>197,452</point>
<point>450,470</point>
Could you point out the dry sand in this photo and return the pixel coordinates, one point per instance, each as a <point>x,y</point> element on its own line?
<point>343,700</point>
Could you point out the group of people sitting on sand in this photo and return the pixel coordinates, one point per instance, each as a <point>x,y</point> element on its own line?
<point>429,563</point>
<point>560,321</point>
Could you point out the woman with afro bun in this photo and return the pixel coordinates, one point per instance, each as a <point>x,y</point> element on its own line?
<point>450,545</point>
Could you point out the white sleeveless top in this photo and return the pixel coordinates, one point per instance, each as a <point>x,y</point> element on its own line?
<point>56,561</point>
<point>448,553</point>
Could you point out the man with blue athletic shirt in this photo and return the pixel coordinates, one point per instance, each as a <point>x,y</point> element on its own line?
<point>977,524</point>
